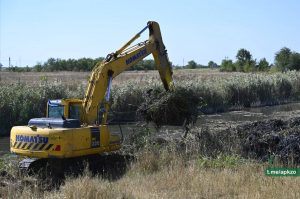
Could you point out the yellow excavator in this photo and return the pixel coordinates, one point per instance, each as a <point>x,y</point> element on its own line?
<point>76,128</point>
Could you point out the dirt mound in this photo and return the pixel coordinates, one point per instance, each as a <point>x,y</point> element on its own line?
<point>177,107</point>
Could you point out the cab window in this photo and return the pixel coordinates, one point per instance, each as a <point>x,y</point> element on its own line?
<point>56,111</point>
<point>74,111</point>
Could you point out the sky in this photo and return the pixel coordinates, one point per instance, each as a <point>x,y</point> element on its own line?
<point>31,31</point>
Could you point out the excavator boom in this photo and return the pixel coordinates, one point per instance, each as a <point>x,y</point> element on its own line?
<point>122,59</point>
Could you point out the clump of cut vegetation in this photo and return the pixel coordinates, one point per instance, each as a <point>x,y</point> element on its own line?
<point>170,108</point>
<point>272,139</point>
<point>275,140</point>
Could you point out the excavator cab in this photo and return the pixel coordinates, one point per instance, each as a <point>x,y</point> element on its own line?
<point>61,113</point>
<point>64,108</point>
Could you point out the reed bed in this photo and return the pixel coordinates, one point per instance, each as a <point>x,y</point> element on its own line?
<point>19,102</point>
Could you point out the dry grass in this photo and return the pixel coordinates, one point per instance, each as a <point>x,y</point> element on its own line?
<point>32,78</point>
<point>69,77</point>
<point>168,175</point>
<point>246,181</point>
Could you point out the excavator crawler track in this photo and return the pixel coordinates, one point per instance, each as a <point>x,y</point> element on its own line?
<point>110,166</point>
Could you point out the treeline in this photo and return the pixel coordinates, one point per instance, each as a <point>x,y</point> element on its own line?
<point>87,64</point>
<point>83,64</point>
<point>244,63</point>
<point>284,60</point>
<point>194,65</point>
<point>52,64</point>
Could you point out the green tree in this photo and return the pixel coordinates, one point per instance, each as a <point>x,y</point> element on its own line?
<point>294,61</point>
<point>191,65</point>
<point>243,56</point>
<point>38,67</point>
<point>263,65</point>
<point>282,58</point>
<point>250,66</point>
<point>212,64</point>
<point>82,64</point>
<point>227,65</point>
<point>50,64</point>
<point>147,64</point>
<point>244,62</point>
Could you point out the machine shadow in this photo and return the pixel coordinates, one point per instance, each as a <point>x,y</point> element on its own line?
<point>52,173</point>
<point>109,166</point>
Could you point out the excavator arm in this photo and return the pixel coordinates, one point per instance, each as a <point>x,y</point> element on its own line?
<point>99,86</point>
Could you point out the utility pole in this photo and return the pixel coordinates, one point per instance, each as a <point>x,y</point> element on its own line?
<point>9,62</point>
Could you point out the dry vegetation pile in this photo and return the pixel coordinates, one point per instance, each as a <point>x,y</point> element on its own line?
<point>177,107</point>
<point>273,140</point>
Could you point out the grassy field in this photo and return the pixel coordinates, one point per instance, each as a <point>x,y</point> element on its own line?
<point>203,165</point>
<point>190,181</point>
<point>24,95</point>
<point>68,77</point>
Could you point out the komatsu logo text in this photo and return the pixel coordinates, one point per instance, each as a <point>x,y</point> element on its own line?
<point>136,56</point>
<point>33,139</point>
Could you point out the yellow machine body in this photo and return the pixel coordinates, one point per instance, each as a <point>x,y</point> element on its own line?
<point>75,127</point>
<point>61,142</point>
<point>53,142</point>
